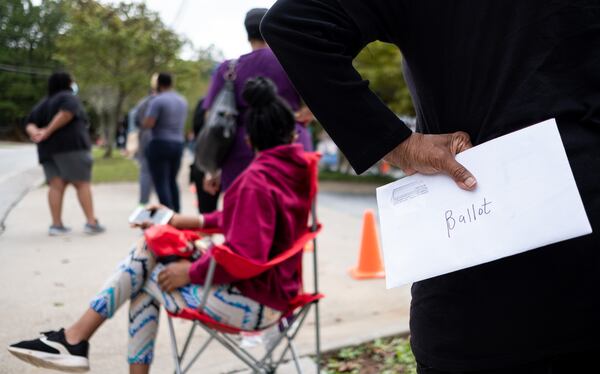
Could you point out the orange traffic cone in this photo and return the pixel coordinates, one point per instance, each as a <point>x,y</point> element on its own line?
<point>369,261</point>
<point>384,168</point>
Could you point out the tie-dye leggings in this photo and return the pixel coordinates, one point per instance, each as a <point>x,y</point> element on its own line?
<point>136,280</point>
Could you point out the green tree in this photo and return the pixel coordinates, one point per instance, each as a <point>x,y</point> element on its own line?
<point>112,50</point>
<point>381,64</point>
<point>27,43</point>
<point>192,78</point>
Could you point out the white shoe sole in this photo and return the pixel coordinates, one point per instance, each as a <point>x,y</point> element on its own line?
<point>67,363</point>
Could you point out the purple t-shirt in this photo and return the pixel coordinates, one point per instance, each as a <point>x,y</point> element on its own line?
<point>261,62</point>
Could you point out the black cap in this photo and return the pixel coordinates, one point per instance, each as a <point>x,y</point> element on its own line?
<point>252,22</point>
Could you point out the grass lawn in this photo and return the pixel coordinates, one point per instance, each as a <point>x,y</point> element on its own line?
<point>385,356</point>
<point>335,176</point>
<point>121,169</point>
<point>115,169</point>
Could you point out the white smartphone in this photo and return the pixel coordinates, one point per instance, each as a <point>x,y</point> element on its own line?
<point>159,216</point>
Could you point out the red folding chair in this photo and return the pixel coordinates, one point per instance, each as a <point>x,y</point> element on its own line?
<point>243,268</point>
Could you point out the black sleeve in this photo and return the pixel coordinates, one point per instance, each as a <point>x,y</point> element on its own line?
<point>316,41</point>
<point>35,116</point>
<point>69,103</point>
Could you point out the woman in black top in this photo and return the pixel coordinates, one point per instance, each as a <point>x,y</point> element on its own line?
<point>476,70</point>
<point>58,124</point>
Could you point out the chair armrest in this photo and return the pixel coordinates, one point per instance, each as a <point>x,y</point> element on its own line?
<point>208,282</point>
<point>210,231</point>
<point>244,268</point>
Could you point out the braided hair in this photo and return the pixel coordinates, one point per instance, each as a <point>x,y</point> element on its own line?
<point>269,120</point>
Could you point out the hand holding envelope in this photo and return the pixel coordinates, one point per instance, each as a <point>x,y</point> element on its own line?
<point>526,198</point>
<point>434,154</point>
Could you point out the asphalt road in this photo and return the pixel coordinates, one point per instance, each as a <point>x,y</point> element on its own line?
<point>348,203</point>
<point>15,158</point>
<point>19,171</point>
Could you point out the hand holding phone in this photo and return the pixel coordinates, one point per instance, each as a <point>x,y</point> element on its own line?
<point>145,217</point>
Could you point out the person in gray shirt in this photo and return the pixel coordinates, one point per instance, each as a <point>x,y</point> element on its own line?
<point>136,119</point>
<point>166,115</point>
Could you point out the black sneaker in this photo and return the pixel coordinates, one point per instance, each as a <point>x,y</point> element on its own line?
<point>51,351</point>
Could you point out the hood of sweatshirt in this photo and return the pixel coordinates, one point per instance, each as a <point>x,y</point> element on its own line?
<point>284,165</point>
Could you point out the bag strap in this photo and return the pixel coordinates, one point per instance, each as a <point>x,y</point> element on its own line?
<point>230,75</point>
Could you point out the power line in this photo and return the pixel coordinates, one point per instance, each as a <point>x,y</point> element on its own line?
<point>182,6</point>
<point>25,70</point>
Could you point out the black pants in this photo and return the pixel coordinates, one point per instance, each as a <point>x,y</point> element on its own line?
<point>164,160</point>
<point>505,312</point>
<point>207,203</point>
<point>573,363</point>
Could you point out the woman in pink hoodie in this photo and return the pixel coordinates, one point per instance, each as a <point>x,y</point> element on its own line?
<point>265,210</point>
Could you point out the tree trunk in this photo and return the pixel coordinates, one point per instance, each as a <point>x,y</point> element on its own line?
<point>106,125</point>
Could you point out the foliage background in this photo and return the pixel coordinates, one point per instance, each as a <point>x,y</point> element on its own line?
<point>27,49</point>
<point>381,64</point>
<point>112,50</point>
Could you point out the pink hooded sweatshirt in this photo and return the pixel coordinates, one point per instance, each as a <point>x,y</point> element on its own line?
<point>264,212</point>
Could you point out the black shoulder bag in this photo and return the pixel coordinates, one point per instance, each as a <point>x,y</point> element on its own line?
<point>216,137</point>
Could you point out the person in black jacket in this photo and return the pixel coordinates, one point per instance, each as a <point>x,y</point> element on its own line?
<point>476,70</point>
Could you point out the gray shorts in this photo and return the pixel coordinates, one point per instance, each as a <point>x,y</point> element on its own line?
<point>73,166</point>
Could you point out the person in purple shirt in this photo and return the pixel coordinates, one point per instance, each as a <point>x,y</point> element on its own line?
<point>260,62</point>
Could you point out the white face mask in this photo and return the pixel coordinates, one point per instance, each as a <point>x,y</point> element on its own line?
<point>74,88</point>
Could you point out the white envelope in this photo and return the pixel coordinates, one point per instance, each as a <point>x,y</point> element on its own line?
<point>526,198</point>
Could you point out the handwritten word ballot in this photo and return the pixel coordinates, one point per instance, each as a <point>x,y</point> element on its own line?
<point>468,215</point>
<point>430,227</point>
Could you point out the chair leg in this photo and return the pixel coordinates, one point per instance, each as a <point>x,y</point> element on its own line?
<point>295,357</point>
<point>318,338</point>
<point>187,342</point>
<point>197,355</point>
<point>250,361</point>
<point>289,334</point>
<point>241,351</point>
<point>174,346</point>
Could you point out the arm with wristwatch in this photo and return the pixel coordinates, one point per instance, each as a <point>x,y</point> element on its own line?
<point>182,221</point>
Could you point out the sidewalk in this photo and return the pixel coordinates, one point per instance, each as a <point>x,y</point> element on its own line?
<point>49,281</point>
